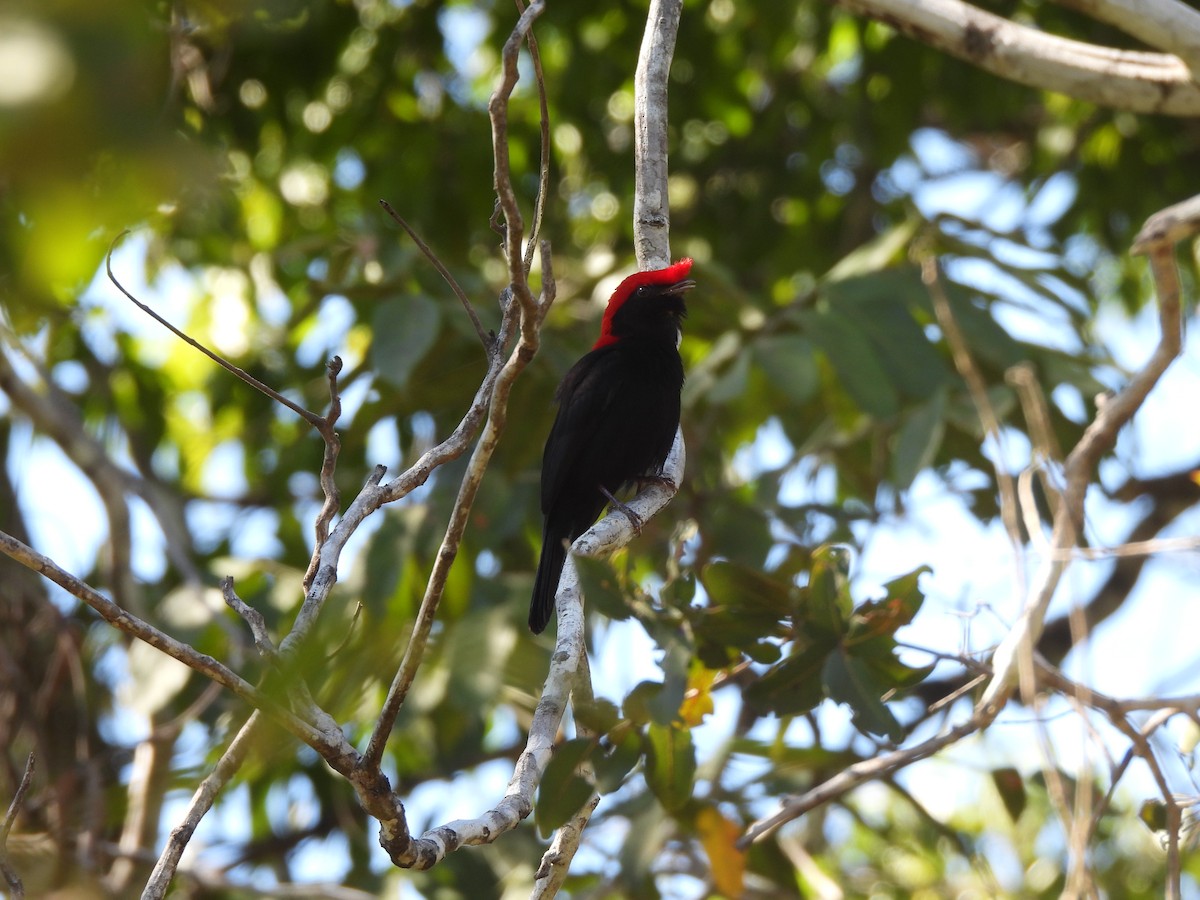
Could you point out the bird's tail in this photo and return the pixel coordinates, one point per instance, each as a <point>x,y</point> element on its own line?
<point>545,585</point>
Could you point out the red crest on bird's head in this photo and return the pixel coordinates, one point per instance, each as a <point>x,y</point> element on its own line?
<point>672,274</point>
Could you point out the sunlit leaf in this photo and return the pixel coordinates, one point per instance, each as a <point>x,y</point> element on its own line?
<point>670,765</point>
<point>727,863</point>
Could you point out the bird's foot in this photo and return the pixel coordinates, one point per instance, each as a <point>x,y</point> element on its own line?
<point>634,519</point>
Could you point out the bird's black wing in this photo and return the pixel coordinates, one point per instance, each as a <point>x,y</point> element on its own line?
<point>585,401</point>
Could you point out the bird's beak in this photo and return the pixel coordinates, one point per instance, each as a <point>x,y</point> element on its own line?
<point>679,287</point>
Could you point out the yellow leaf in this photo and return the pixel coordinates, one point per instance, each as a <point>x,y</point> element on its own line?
<point>697,701</point>
<point>719,838</point>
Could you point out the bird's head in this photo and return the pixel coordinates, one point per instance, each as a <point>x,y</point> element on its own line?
<point>647,304</point>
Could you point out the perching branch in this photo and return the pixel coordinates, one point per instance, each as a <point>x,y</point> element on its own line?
<point>602,539</point>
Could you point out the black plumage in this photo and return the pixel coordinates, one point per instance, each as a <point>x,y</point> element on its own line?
<point>618,411</point>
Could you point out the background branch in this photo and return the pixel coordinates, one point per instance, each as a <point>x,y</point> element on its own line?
<point>1122,79</point>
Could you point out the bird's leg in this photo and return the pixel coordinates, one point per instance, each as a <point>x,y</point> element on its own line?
<point>634,519</point>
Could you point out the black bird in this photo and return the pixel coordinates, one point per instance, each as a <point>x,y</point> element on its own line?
<point>618,411</point>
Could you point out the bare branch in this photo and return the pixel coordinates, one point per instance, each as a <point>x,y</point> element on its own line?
<point>513,230</point>
<point>651,209</point>
<point>316,421</point>
<point>448,552</point>
<point>1157,240</point>
<point>333,446</point>
<point>1015,653</point>
<point>861,773</point>
<point>252,617</point>
<point>1122,79</point>
<point>556,861</point>
<point>1163,24</point>
<point>486,339</point>
<point>517,803</point>
<point>11,878</point>
<point>143,631</point>
<point>202,801</point>
<point>539,206</point>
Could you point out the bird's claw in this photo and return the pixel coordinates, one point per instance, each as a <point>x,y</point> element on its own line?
<point>634,519</point>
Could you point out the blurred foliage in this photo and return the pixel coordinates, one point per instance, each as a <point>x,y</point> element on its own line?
<point>246,147</point>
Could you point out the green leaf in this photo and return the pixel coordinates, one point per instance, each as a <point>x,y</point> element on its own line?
<point>855,361</point>
<point>881,305</point>
<point>917,443</point>
<point>731,384</point>
<point>882,251</point>
<point>637,702</point>
<point>746,589</point>
<point>849,680</point>
<point>792,686</point>
<point>788,361</point>
<point>670,765</point>
<point>1011,787</point>
<point>601,589</point>
<point>827,604</point>
<point>664,706</point>
<point>748,606</point>
<point>563,791</point>
<point>600,716</point>
<point>402,332</point>
<point>897,608</point>
<point>612,768</point>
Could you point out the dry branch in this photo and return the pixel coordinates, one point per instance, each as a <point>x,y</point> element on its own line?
<point>1015,654</point>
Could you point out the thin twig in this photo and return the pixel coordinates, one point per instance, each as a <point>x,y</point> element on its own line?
<point>333,446</point>
<point>447,553</point>
<point>253,618</point>
<point>497,399</point>
<point>1156,240</point>
<point>513,226</point>
<point>539,203</point>
<point>129,624</point>
<point>202,801</point>
<point>862,772</point>
<point>977,388</point>
<point>11,878</point>
<point>488,340</point>
<point>316,421</point>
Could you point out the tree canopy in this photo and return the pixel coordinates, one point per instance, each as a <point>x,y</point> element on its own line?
<point>905,266</point>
